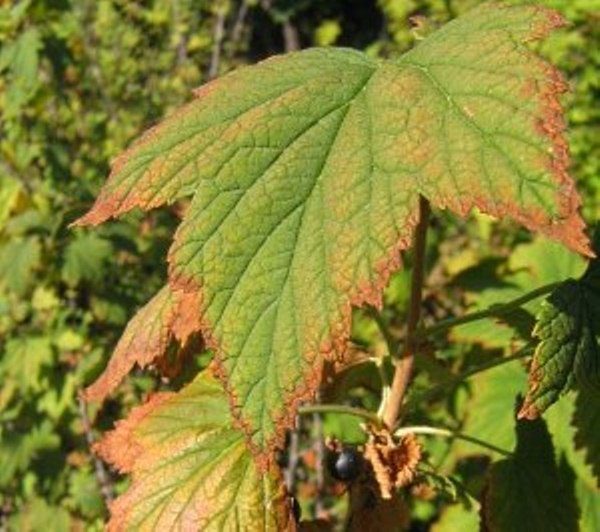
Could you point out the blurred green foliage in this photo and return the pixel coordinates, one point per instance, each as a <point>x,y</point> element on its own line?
<point>79,80</point>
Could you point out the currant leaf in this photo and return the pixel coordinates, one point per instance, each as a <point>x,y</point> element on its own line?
<point>526,491</point>
<point>568,351</point>
<point>191,469</point>
<point>306,172</point>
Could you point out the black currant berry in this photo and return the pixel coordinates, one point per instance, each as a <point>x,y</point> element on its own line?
<point>345,466</point>
<point>296,510</point>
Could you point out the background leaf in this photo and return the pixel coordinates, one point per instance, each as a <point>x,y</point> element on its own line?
<point>568,349</point>
<point>526,492</point>
<point>85,258</point>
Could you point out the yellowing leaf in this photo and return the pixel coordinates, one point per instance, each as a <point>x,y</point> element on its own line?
<point>191,469</point>
<point>146,338</point>
<point>306,171</point>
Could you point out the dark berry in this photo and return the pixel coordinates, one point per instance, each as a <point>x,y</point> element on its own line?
<point>345,466</point>
<point>296,510</point>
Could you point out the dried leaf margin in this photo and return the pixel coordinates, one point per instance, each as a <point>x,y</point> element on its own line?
<point>147,336</point>
<point>568,228</point>
<point>190,468</point>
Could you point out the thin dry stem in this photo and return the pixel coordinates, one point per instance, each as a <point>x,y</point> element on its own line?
<point>102,476</point>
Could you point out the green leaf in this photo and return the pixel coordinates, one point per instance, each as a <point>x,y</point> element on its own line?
<point>589,507</point>
<point>22,363</point>
<point>526,492</point>
<point>84,493</point>
<point>19,449</point>
<point>84,259</point>
<point>568,436</point>
<point>568,350</point>
<point>560,424</point>
<point>456,517</point>
<point>19,257</point>
<point>24,64</point>
<point>190,467</point>
<point>37,515</point>
<point>586,420</point>
<point>530,266</point>
<point>306,172</point>
<point>489,411</point>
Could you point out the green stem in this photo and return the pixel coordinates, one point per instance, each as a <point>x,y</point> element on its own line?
<point>433,391</point>
<point>447,433</point>
<point>498,309</point>
<point>340,409</point>
<point>390,342</point>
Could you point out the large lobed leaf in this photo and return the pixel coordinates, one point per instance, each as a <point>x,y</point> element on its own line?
<point>586,420</point>
<point>574,423</point>
<point>527,491</point>
<point>191,470</point>
<point>305,172</point>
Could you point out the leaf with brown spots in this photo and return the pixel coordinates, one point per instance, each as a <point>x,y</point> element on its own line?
<point>191,470</point>
<point>306,171</point>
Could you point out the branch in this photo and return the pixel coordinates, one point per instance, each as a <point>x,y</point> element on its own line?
<point>447,433</point>
<point>291,38</point>
<point>404,366</point>
<point>319,447</point>
<point>430,393</point>
<point>496,310</point>
<point>238,26</point>
<point>218,33</point>
<point>102,476</point>
<point>371,417</point>
<point>289,472</point>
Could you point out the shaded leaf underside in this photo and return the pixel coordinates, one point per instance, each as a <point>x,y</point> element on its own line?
<point>190,468</point>
<point>526,491</point>
<point>305,172</point>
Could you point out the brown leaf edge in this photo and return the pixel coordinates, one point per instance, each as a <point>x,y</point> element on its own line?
<point>569,227</point>
<point>122,449</point>
<point>367,292</point>
<point>113,203</point>
<point>568,230</point>
<point>166,316</point>
<point>528,409</point>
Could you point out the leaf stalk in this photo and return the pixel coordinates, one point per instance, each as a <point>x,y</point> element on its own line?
<point>447,433</point>
<point>405,363</point>
<point>495,310</point>
<point>371,417</point>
